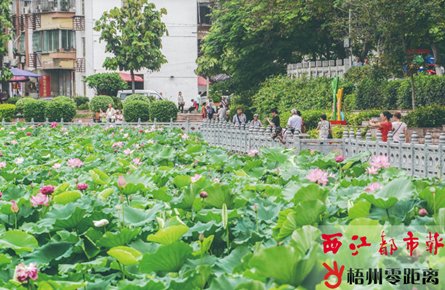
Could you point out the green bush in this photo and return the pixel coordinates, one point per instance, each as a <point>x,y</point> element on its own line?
<point>85,107</point>
<point>311,118</point>
<point>429,90</point>
<point>20,105</point>
<point>135,110</point>
<point>13,101</point>
<point>35,109</point>
<point>246,111</point>
<point>429,116</point>
<point>7,111</point>
<point>117,103</point>
<point>337,133</point>
<point>137,97</point>
<point>55,111</point>
<point>390,95</point>
<point>163,111</point>
<point>81,100</point>
<point>100,102</point>
<point>357,119</point>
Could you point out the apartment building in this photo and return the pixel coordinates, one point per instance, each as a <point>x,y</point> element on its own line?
<point>55,38</point>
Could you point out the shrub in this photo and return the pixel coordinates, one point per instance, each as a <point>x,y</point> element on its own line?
<point>55,111</point>
<point>35,109</point>
<point>337,132</point>
<point>85,107</point>
<point>64,99</point>
<point>357,119</point>
<point>106,83</point>
<point>135,110</point>
<point>13,101</point>
<point>100,102</point>
<point>117,103</point>
<point>429,116</point>
<point>20,105</point>
<point>81,100</point>
<point>246,110</point>
<point>137,97</point>
<point>429,90</point>
<point>163,111</point>
<point>311,118</point>
<point>7,111</point>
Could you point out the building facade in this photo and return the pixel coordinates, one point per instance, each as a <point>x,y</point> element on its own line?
<point>56,39</point>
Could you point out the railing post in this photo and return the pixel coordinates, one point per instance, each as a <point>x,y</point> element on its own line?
<point>154,123</point>
<point>427,144</point>
<point>414,141</point>
<point>401,142</point>
<point>61,121</point>
<point>46,122</point>
<point>388,145</point>
<point>171,123</point>
<point>187,129</point>
<point>3,121</point>
<point>345,140</point>
<point>441,145</point>
<point>32,121</point>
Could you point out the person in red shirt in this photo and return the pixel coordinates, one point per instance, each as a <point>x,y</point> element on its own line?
<point>384,126</point>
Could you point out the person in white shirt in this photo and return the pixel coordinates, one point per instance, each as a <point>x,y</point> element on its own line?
<point>111,113</point>
<point>222,114</point>
<point>181,102</point>
<point>398,127</point>
<point>119,117</point>
<point>294,122</point>
<point>256,122</point>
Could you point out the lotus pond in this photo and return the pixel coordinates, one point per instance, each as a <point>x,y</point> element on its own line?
<point>135,208</point>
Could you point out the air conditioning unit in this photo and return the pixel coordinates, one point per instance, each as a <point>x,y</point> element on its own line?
<point>22,59</point>
<point>6,60</point>
<point>25,10</point>
<point>14,63</point>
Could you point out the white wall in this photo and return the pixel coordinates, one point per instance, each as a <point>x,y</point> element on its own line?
<point>180,47</point>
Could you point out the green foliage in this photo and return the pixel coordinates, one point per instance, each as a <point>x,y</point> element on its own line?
<point>135,110</point>
<point>130,29</point>
<point>163,111</point>
<point>106,83</point>
<point>81,100</point>
<point>137,97</point>
<point>55,111</point>
<point>429,90</point>
<point>357,119</point>
<point>100,102</point>
<point>428,116</point>
<point>20,105</point>
<point>224,88</point>
<point>35,109</point>
<point>13,101</point>
<point>311,118</point>
<point>5,23</point>
<point>117,103</point>
<point>337,132</point>
<point>7,111</point>
<point>246,111</point>
<point>64,99</point>
<point>85,107</point>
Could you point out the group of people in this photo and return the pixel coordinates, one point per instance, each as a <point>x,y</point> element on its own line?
<point>358,62</point>
<point>111,115</point>
<point>397,127</point>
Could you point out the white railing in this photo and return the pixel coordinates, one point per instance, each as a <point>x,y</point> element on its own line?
<point>329,68</point>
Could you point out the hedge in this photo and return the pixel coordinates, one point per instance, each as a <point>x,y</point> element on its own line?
<point>118,105</point>
<point>135,110</point>
<point>81,100</point>
<point>100,102</point>
<point>64,99</point>
<point>35,109</point>
<point>55,111</point>
<point>163,111</point>
<point>13,101</point>
<point>429,116</point>
<point>20,105</point>
<point>137,97</point>
<point>7,111</point>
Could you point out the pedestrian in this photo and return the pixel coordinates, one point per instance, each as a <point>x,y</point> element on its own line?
<point>210,110</point>
<point>192,107</point>
<point>256,122</point>
<point>119,117</point>
<point>224,103</point>
<point>399,127</point>
<point>198,98</point>
<point>280,134</point>
<point>239,118</point>
<point>384,126</point>
<point>303,125</point>
<point>357,62</point>
<point>275,118</point>
<point>366,62</point>
<point>160,97</point>
<point>111,112</point>
<point>204,110</point>
<point>324,128</point>
<point>222,114</point>
<point>5,97</point>
<point>294,122</point>
<point>181,103</point>
<point>195,104</point>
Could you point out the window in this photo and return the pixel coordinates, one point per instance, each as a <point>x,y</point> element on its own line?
<point>53,40</point>
<point>83,7</point>
<point>22,43</point>
<point>36,42</point>
<point>68,40</point>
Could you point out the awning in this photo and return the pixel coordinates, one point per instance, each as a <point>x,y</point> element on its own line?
<point>23,73</point>
<point>202,81</point>
<point>127,77</point>
<point>18,79</point>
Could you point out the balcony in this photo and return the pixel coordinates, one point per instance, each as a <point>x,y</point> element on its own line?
<point>63,55</point>
<point>49,62</point>
<point>46,6</point>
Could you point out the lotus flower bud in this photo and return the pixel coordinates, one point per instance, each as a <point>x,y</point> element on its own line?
<point>14,207</point>
<point>201,237</point>
<point>265,195</point>
<point>279,244</point>
<point>121,182</point>
<point>176,192</point>
<point>130,197</point>
<point>121,198</point>
<point>255,208</point>
<point>433,190</point>
<point>101,223</point>
<point>423,212</point>
<point>203,194</point>
<point>277,171</point>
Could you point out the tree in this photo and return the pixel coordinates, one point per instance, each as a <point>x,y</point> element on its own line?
<point>5,37</point>
<point>133,35</point>
<point>106,83</point>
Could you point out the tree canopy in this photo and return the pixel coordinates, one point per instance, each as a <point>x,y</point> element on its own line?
<point>106,83</point>
<point>5,23</point>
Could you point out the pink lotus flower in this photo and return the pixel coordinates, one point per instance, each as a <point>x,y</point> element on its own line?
<point>56,166</point>
<point>277,171</point>
<point>32,127</point>
<point>141,130</point>
<point>372,170</point>
<point>332,175</point>
<point>339,158</point>
<point>2,164</point>
<point>117,144</point>
<point>423,212</point>
<point>252,153</point>
<point>28,133</point>
<point>160,128</point>
<point>121,181</point>
<point>54,125</point>
<point>196,178</point>
<point>82,186</point>
<point>19,160</point>
<point>137,146</point>
<point>185,136</point>
<point>75,162</point>
<point>137,162</point>
<point>40,199</point>
<point>47,189</point>
<point>115,150</point>
<point>149,142</point>
<point>216,180</point>
<point>21,129</point>
<point>373,187</point>
<point>64,128</point>
<point>13,142</point>
<point>126,135</point>
<point>14,207</point>
<point>23,272</point>
<point>203,194</point>
<point>380,161</point>
<point>128,151</point>
<point>319,176</point>
<point>313,151</point>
